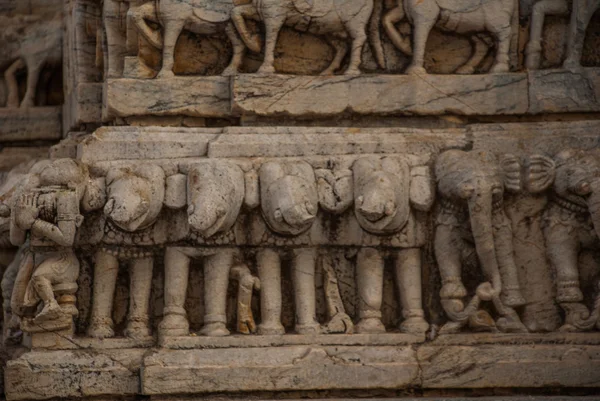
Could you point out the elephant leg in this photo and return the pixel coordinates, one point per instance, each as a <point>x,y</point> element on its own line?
<point>369,280</point>
<point>389,24</point>
<point>238,51</point>
<point>540,10</point>
<point>448,247</point>
<point>480,49</point>
<point>216,281</point>
<point>408,279</point>
<point>274,21</point>
<point>303,273</point>
<point>115,38</point>
<point>34,69</point>
<point>177,270</point>
<point>511,290</point>
<point>269,273</point>
<point>580,18</point>
<point>341,48</point>
<point>140,287</point>
<point>563,249</point>
<point>106,269</point>
<point>421,29</point>
<point>172,30</point>
<point>12,85</point>
<point>238,17</point>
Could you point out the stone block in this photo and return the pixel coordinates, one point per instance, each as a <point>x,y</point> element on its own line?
<point>37,123</point>
<point>564,91</point>
<point>322,96</point>
<point>190,96</point>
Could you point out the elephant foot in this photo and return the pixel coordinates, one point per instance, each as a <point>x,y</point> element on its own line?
<point>500,68</point>
<point>370,325</point>
<point>271,329</point>
<point>416,70</point>
<point>216,329</point>
<point>266,69</point>
<point>174,325</point>
<point>568,294</point>
<point>512,298</point>
<point>414,325</point>
<point>101,328</point>
<point>310,328</point>
<point>453,288</point>
<point>165,74</point>
<point>137,329</point>
<point>465,70</point>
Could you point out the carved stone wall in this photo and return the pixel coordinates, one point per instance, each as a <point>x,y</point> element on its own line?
<point>290,198</point>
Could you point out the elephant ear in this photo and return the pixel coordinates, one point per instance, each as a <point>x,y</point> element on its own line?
<point>511,168</point>
<point>540,172</point>
<point>313,8</point>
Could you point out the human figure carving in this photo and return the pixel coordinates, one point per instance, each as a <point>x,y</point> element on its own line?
<point>462,17</point>
<point>338,20</point>
<point>385,189</point>
<point>471,186</point>
<point>30,42</point>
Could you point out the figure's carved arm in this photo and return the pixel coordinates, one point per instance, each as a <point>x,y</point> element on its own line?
<point>422,191</point>
<point>68,217</point>
<point>335,189</point>
<point>540,172</point>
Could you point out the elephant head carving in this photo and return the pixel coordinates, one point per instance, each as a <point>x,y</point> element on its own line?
<point>289,196</point>
<point>472,186</point>
<point>134,196</point>
<point>215,194</point>
<point>381,194</point>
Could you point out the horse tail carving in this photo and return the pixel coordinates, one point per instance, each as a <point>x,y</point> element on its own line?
<point>375,35</point>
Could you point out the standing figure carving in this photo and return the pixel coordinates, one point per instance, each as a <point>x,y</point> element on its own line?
<point>129,231</point>
<point>385,191</point>
<point>338,20</point>
<point>462,17</point>
<point>49,216</point>
<point>214,193</point>
<point>289,203</point>
<point>30,42</point>
<point>471,217</point>
<point>572,225</point>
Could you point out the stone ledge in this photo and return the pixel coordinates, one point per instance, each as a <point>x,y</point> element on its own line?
<point>37,123</point>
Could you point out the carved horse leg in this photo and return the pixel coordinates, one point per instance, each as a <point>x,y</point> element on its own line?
<point>540,10</point>
<point>580,19</point>
<point>34,68</point>
<point>341,48</point>
<point>389,21</point>
<point>269,273</point>
<point>369,279</point>
<point>408,280</point>
<point>480,49</point>
<point>11,83</point>
<point>422,25</point>
<point>238,17</point>
<point>273,21</point>
<point>238,51</point>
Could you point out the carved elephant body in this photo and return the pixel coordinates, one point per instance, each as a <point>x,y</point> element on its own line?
<point>30,42</point>
<point>336,19</point>
<point>471,215</point>
<point>385,192</point>
<point>462,17</point>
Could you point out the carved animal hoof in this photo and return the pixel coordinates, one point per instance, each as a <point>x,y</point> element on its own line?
<point>465,69</point>
<point>569,294</point>
<point>512,298</point>
<point>101,329</point>
<point>370,325</point>
<point>27,103</point>
<point>214,330</point>
<point>571,64</point>
<point>453,290</point>
<point>414,325</point>
<point>416,70</point>
<point>229,72</point>
<point>271,329</point>
<point>174,325</point>
<point>353,71</point>
<point>165,74</point>
<point>499,68</point>
<point>311,328</point>
<point>266,69</point>
<point>137,329</point>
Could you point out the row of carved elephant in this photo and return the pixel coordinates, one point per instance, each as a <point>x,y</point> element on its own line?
<point>219,211</point>
<point>339,22</point>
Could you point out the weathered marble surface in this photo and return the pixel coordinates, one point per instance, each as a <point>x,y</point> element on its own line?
<point>39,123</point>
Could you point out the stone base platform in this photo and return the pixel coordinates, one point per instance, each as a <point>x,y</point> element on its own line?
<point>536,92</point>
<point>237,364</point>
<point>37,123</point>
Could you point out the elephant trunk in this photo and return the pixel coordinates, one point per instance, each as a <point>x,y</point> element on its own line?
<point>593,202</point>
<point>480,210</point>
